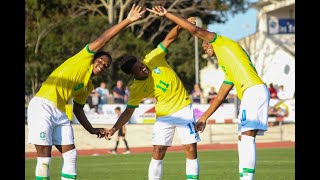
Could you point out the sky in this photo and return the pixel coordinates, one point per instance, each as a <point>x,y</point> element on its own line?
<point>238,26</point>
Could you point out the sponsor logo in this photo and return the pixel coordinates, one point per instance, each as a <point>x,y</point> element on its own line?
<point>42,135</point>
<point>77,87</point>
<point>156,70</point>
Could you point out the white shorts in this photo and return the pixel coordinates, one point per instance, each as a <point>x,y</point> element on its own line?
<point>253,113</point>
<point>183,121</point>
<point>48,125</point>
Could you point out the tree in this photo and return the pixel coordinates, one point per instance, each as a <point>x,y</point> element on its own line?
<point>56,30</point>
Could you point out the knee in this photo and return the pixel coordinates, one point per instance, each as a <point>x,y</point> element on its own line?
<point>192,148</point>
<point>159,152</point>
<point>70,155</point>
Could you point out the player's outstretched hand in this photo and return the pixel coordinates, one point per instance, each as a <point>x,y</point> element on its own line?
<point>158,10</point>
<point>192,20</point>
<point>135,13</point>
<point>201,125</point>
<point>100,132</point>
<point>109,133</point>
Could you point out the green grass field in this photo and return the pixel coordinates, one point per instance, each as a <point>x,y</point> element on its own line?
<point>272,164</point>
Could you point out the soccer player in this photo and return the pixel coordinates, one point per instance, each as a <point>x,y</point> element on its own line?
<point>251,90</point>
<point>48,123</point>
<point>153,77</point>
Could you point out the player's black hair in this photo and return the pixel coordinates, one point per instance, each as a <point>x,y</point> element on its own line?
<point>101,53</point>
<point>126,63</point>
<point>117,108</point>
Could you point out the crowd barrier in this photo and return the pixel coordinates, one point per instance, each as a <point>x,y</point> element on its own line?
<point>145,113</point>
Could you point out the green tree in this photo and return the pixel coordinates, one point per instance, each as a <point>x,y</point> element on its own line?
<point>56,30</point>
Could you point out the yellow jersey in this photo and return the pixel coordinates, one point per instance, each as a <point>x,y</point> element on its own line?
<point>163,84</point>
<point>236,64</point>
<point>72,79</point>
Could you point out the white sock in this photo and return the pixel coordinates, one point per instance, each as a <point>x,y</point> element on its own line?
<point>43,167</point>
<point>192,169</point>
<point>248,156</point>
<point>155,169</point>
<point>69,166</point>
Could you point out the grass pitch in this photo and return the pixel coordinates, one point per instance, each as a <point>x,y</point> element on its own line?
<point>274,163</point>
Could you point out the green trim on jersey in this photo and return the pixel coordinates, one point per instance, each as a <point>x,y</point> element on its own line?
<point>87,48</point>
<point>215,37</point>
<point>228,82</point>
<point>131,106</point>
<point>163,48</point>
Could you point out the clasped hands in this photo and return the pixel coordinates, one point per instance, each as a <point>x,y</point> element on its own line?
<point>104,132</point>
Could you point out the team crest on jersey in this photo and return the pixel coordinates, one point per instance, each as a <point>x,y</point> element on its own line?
<point>79,86</point>
<point>156,70</point>
<point>42,135</point>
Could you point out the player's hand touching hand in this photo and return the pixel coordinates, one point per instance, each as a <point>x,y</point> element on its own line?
<point>158,10</point>
<point>135,13</point>
<point>109,133</point>
<point>100,132</point>
<point>200,125</point>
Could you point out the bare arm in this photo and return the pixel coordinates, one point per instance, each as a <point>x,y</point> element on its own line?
<point>134,14</point>
<point>222,94</point>
<point>197,31</point>
<point>173,34</point>
<point>122,120</point>
<point>82,118</point>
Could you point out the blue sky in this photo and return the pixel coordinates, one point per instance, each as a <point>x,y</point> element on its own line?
<point>238,26</point>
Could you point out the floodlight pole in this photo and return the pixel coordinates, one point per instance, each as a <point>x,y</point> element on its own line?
<point>196,59</point>
<point>199,24</point>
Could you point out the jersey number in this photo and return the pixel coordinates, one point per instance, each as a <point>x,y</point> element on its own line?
<point>163,84</point>
<point>191,127</point>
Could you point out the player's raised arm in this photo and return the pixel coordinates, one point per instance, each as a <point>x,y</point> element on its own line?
<point>175,31</point>
<point>197,31</point>
<point>134,15</point>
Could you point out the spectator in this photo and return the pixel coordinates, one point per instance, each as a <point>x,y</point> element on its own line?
<point>212,94</point>
<point>119,93</point>
<point>93,100</point>
<point>121,135</point>
<point>281,93</point>
<point>127,94</point>
<point>196,94</point>
<point>273,91</point>
<point>279,110</point>
<point>103,93</point>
